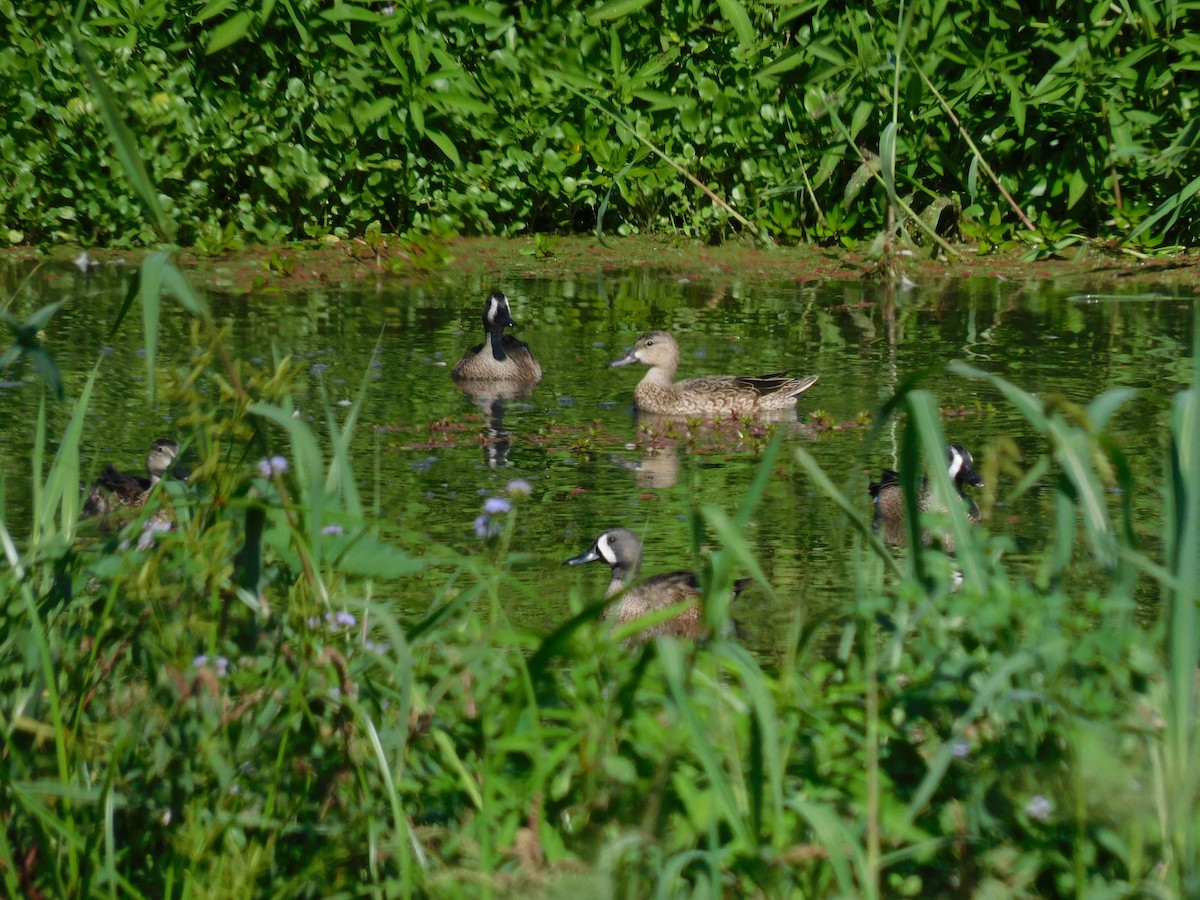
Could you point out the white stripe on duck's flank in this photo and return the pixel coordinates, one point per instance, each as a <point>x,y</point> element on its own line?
<point>501,357</point>
<point>708,396</point>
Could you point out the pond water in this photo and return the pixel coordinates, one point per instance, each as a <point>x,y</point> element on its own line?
<point>429,455</point>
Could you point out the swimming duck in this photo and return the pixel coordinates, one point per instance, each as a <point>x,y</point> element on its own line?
<point>500,357</point>
<point>708,396</point>
<point>622,550</point>
<point>114,488</point>
<point>888,498</point>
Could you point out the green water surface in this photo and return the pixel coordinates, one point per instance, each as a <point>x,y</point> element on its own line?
<point>429,455</point>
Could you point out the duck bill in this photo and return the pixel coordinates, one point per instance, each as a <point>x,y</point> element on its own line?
<point>627,360</point>
<point>589,555</point>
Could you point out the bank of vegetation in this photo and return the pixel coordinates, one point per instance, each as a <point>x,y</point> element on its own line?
<point>1042,124</point>
<point>234,707</point>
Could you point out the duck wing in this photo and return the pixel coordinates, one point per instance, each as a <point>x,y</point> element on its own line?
<point>887,479</point>
<point>775,383</point>
<point>121,484</point>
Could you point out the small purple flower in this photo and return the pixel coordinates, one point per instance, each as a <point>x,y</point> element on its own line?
<point>1039,808</point>
<point>345,619</point>
<point>335,692</point>
<point>960,748</point>
<point>200,662</point>
<point>314,621</point>
<point>485,527</point>
<point>494,506</point>
<point>333,530</point>
<point>276,465</point>
<point>519,487</point>
<point>222,667</point>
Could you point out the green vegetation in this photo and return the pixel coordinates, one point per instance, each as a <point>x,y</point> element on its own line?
<point>234,708</point>
<point>997,122</point>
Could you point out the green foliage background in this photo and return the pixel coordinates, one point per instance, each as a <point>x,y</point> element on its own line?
<point>294,119</point>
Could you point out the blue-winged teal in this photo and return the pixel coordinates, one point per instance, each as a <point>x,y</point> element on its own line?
<point>114,488</point>
<point>708,396</point>
<point>888,498</point>
<point>500,357</point>
<point>622,550</point>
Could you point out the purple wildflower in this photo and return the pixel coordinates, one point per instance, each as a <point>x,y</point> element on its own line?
<point>332,530</point>
<point>345,619</point>
<point>1039,808</point>
<point>485,527</point>
<point>276,465</point>
<point>200,662</point>
<point>222,667</point>
<point>494,506</point>
<point>519,487</point>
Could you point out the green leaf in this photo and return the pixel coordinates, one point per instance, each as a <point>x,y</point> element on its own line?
<point>445,145</point>
<point>43,364</point>
<point>150,289</point>
<point>229,32</point>
<point>617,9</point>
<point>179,286</point>
<point>735,15</point>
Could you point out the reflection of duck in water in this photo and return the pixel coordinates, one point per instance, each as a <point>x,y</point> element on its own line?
<point>888,497</point>
<point>497,439</point>
<point>501,357</point>
<point>117,489</point>
<point>657,467</point>
<point>709,395</point>
<point>500,369</point>
<point>622,550</point>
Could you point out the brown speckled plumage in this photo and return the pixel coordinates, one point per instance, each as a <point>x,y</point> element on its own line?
<point>888,498</point>
<point>117,489</point>
<point>622,550</point>
<point>709,396</point>
<point>501,357</point>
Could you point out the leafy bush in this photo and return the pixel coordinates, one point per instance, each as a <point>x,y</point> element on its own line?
<point>295,120</point>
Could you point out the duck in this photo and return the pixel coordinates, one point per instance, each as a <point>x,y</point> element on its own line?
<point>117,489</point>
<point>888,498</point>
<point>501,357</point>
<point>708,396</point>
<point>622,550</point>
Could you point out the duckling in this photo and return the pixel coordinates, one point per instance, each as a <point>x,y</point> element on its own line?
<point>500,357</point>
<point>708,396</point>
<point>622,550</point>
<point>888,498</point>
<point>115,488</point>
